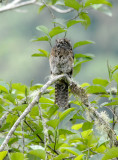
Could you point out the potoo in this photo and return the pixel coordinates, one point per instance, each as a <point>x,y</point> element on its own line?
<point>61,62</point>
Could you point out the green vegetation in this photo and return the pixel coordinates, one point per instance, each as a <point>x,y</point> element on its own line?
<point>48,132</point>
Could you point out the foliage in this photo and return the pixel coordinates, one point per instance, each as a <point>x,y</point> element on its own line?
<point>69,134</point>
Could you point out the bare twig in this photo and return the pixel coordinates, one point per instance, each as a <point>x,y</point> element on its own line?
<point>16,4</point>
<point>60,10</point>
<point>19,3</point>
<point>49,8</point>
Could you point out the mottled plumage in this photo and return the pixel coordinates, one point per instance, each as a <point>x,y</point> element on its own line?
<point>61,62</point>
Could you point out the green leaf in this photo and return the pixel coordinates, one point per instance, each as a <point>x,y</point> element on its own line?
<point>77,126</point>
<point>4,87</point>
<point>115,77</point>
<point>79,157</point>
<point>1,109</point>
<point>32,157</point>
<point>35,87</point>
<point>46,100</point>
<point>74,138</point>
<point>111,103</point>
<point>44,52</point>
<point>76,102</point>
<point>43,29</point>
<point>13,140</point>
<point>38,55</point>
<point>3,155</point>
<point>91,2</point>
<point>87,126</point>
<point>80,43</point>
<point>72,22</point>
<point>34,112</point>
<point>54,1</point>
<point>41,8</point>
<point>45,38</point>
<point>19,87</point>
<point>111,153</point>
<point>77,63</point>
<point>38,153</point>
<point>10,97</point>
<point>71,150</point>
<point>100,81</point>
<point>87,55</point>
<point>53,123</point>
<point>73,4</point>
<point>17,155</point>
<point>11,119</point>
<point>61,156</point>
<point>56,31</point>
<point>65,131</point>
<point>86,133</point>
<point>20,108</point>
<point>85,17</point>
<point>85,85</point>
<point>95,89</point>
<point>76,69</point>
<point>66,112</point>
<point>109,70</point>
<point>52,110</point>
<point>115,68</point>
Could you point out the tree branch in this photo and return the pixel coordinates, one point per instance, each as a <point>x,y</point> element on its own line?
<point>28,109</point>
<point>75,89</point>
<point>18,3</point>
<point>15,4</point>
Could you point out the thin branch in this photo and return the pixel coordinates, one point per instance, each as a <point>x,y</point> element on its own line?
<point>33,131</point>
<point>28,109</point>
<point>15,5</point>
<point>52,14</point>
<point>60,10</point>
<point>18,3</point>
<point>41,140</point>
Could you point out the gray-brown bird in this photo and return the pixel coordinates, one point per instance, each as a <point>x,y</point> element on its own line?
<point>61,62</point>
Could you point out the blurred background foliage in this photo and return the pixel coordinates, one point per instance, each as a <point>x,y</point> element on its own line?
<point>18,28</point>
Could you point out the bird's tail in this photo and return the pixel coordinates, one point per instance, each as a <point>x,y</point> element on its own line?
<point>61,93</point>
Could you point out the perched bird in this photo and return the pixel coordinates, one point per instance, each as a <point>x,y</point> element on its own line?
<point>61,62</point>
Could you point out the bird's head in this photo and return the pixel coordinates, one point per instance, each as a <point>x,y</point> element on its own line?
<point>63,43</point>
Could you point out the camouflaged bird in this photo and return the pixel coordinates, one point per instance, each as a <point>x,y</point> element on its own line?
<point>61,62</point>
